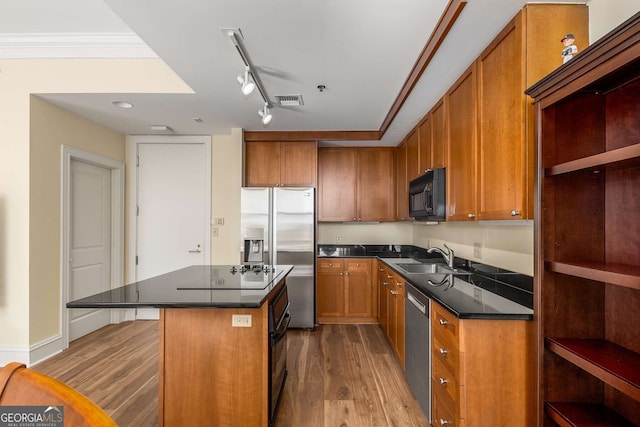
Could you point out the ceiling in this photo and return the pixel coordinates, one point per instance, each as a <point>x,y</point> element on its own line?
<point>362,51</point>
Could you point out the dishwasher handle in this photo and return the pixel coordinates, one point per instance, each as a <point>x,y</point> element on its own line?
<point>420,306</point>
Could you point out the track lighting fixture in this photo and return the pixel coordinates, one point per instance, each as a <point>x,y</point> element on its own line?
<point>250,80</point>
<point>247,82</point>
<point>265,114</point>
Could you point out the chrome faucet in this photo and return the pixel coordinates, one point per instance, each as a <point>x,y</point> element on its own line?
<point>448,256</point>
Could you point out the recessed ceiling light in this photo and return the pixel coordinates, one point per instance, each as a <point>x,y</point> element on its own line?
<point>122,104</point>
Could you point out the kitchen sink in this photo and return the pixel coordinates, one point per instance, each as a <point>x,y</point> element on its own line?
<point>429,268</point>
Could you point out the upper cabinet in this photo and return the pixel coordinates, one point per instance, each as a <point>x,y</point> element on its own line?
<point>413,157</point>
<point>280,164</point>
<point>402,183</point>
<point>461,170</point>
<point>526,49</point>
<point>356,184</point>
<point>482,129</point>
<point>438,136</point>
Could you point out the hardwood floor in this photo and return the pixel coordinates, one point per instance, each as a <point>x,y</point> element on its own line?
<point>338,375</point>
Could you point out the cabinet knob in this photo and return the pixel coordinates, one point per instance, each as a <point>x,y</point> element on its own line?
<point>359,219</point>
<point>380,269</point>
<point>389,276</point>
<point>357,265</point>
<point>330,265</point>
<point>443,322</point>
<point>443,351</point>
<point>354,218</point>
<point>443,381</point>
<point>399,284</point>
<point>471,215</point>
<point>385,283</point>
<point>346,274</point>
<point>394,292</point>
<point>515,213</point>
<point>341,273</point>
<point>444,422</point>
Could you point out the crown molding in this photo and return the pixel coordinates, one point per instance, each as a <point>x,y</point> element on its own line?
<point>73,45</point>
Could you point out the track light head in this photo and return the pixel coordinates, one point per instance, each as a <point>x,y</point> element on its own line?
<point>248,85</point>
<point>265,114</point>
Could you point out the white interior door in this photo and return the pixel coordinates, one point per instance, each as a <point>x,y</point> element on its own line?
<point>89,243</point>
<point>173,207</point>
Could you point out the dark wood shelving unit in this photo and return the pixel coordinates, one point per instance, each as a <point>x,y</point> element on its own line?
<point>587,235</point>
<point>580,415</point>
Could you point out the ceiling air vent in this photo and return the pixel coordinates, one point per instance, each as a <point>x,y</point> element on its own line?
<point>289,100</point>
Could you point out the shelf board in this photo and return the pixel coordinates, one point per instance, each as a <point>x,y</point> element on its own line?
<point>611,363</point>
<point>614,159</point>
<point>616,274</point>
<point>584,415</point>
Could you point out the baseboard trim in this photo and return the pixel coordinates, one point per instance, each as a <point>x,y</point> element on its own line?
<point>33,354</point>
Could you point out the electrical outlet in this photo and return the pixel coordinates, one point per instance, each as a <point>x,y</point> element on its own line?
<point>241,320</point>
<point>338,238</point>
<point>477,294</point>
<point>477,250</point>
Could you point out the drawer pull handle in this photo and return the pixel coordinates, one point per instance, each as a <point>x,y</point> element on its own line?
<point>385,283</point>
<point>381,269</point>
<point>443,381</point>
<point>443,322</point>
<point>443,351</point>
<point>394,292</point>
<point>444,422</point>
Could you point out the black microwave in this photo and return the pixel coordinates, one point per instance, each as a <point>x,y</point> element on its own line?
<point>428,196</point>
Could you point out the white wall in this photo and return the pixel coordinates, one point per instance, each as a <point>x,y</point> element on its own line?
<point>226,175</point>
<point>605,15</point>
<point>21,324</point>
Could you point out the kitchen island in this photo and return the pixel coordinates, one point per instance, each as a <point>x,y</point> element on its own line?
<point>215,345</point>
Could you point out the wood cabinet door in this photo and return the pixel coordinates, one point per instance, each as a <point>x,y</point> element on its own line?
<point>262,164</point>
<point>413,158</point>
<point>439,136</point>
<point>502,154</point>
<point>359,296</point>
<point>424,148</point>
<point>330,295</point>
<point>376,184</point>
<point>298,164</point>
<point>383,297</point>
<point>461,169</point>
<point>402,185</point>
<point>399,321</point>
<point>337,174</point>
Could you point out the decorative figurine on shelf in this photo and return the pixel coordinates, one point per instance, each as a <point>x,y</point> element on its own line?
<point>570,49</point>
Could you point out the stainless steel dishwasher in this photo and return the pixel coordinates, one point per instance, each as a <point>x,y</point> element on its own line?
<point>418,347</point>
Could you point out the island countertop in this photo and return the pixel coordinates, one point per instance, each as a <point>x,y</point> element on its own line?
<point>222,286</point>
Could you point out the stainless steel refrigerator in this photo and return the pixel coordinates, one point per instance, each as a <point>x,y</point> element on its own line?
<point>278,226</point>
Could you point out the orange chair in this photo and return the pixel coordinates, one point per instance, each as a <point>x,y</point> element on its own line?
<point>20,386</point>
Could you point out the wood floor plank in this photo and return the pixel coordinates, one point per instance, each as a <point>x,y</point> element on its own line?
<point>338,375</point>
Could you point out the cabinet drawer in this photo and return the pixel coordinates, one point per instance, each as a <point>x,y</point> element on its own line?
<point>443,415</point>
<point>447,355</point>
<point>445,384</point>
<point>330,265</point>
<point>358,266</point>
<point>446,326</point>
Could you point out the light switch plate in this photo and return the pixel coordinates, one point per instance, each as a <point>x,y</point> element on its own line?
<point>477,250</point>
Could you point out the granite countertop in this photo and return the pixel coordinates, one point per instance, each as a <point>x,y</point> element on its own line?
<point>194,286</point>
<point>504,294</point>
<point>459,298</point>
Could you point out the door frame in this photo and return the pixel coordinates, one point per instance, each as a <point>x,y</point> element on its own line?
<point>133,142</point>
<point>117,169</point>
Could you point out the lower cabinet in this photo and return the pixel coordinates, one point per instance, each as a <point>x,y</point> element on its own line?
<point>482,371</point>
<point>391,291</point>
<point>346,291</point>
